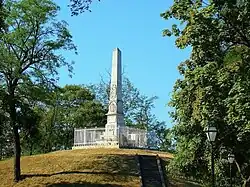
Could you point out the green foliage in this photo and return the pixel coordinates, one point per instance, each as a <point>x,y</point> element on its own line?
<point>79,6</point>
<point>30,55</point>
<point>72,106</point>
<point>29,119</point>
<point>30,44</point>
<point>214,89</point>
<point>2,16</point>
<point>164,136</point>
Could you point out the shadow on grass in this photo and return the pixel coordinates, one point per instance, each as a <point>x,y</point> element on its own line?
<point>24,176</point>
<point>125,164</point>
<point>64,184</point>
<point>115,167</point>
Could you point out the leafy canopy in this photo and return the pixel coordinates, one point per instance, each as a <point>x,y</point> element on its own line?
<point>214,86</point>
<point>31,46</point>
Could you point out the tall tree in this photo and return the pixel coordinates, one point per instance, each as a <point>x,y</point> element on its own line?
<point>72,106</point>
<point>81,107</point>
<point>30,51</point>
<point>215,84</point>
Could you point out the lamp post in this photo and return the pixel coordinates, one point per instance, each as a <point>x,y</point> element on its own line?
<point>230,158</point>
<point>211,133</point>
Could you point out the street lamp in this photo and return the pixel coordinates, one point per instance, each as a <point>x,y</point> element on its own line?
<point>230,158</point>
<point>211,133</point>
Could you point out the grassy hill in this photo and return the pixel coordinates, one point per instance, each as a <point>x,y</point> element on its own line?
<point>89,167</point>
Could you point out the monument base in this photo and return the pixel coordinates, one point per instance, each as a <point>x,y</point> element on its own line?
<point>101,137</point>
<point>103,145</point>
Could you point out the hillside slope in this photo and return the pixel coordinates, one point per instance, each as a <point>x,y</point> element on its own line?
<point>89,167</point>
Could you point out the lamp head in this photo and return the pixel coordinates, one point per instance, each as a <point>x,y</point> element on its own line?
<point>230,158</point>
<point>211,133</point>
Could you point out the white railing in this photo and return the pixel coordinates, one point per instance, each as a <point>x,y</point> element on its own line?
<point>132,137</point>
<point>124,137</point>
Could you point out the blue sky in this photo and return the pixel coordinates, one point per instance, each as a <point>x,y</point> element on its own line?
<point>149,60</point>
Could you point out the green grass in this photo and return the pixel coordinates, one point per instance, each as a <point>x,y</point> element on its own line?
<point>80,168</point>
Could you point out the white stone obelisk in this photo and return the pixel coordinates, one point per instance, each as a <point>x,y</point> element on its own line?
<point>115,116</point>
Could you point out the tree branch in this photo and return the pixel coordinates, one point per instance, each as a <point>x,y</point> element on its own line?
<point>238,167</point>
<point>244,38</point>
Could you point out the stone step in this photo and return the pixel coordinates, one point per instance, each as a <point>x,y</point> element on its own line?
<point>153,178</point>
<point>147,158</point>
<point>149,171</point>
<point>153,172</point>
<point>153,185</point>
<point>149,164</point>
<point>149,161</point>
<point>150,168</point>
<point>153,181</point>
<point>153,175</point>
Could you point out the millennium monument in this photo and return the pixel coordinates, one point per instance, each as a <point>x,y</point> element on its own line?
<point>115,133</point>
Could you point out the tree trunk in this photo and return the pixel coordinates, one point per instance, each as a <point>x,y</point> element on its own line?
<point>17,146</point>
<point>31,147</point>
<point>1,151</point>
<point>246,183</point>
<point>17,152</point>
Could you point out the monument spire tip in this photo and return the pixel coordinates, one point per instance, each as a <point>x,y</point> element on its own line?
<point>117,49</point>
